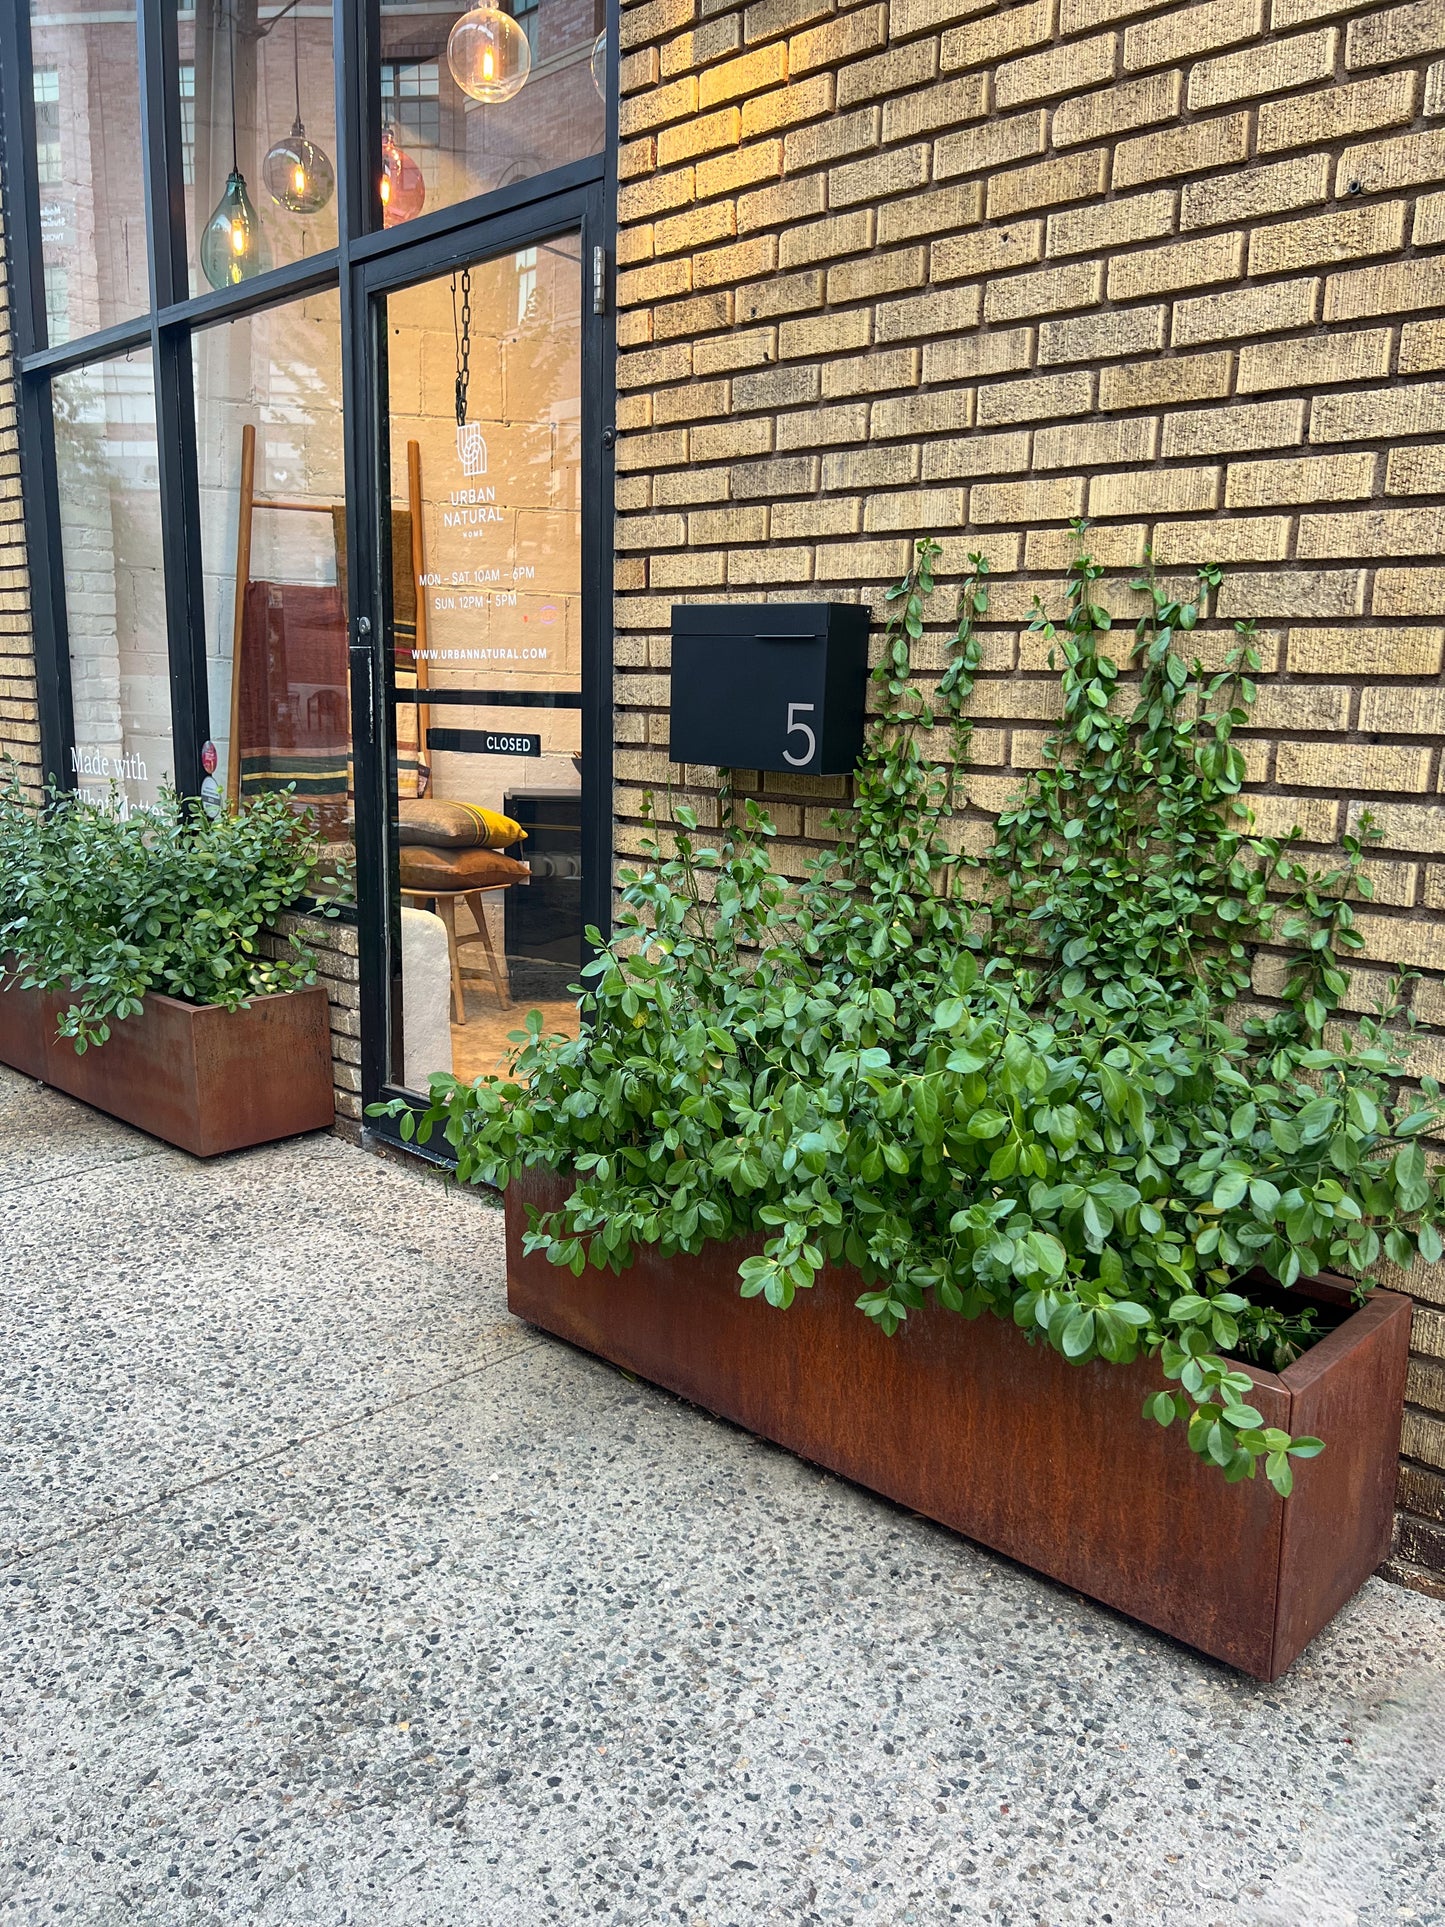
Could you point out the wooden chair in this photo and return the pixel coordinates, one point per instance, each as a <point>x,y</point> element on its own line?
<point>444,902</point>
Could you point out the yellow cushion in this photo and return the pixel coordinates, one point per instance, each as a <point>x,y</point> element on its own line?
<point>445,825</point>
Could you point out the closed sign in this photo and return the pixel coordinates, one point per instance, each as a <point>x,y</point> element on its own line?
<point>486,742</point>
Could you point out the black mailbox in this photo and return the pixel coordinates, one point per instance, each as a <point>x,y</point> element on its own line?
<point>776,687</point>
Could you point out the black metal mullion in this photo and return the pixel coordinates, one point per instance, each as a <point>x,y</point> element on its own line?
<point>120,339</point>
<point>22,190</point>
<point>368,541</point>
<point>180,502</point>
<point>357,42</point>
<point>45,556</point>
<point>160,107</point>
<point>599,408</point>
<point>597,483</point>
<point>175,405</point>
<point>463,216</point>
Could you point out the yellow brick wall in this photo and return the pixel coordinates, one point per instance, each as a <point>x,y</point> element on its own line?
<point>941,266</point>
<point>19,715</point>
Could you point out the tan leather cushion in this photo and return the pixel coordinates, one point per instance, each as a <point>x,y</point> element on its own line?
<point>448,825</point>
<point>424,869</point>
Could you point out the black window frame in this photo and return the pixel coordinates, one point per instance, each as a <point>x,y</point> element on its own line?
<point>357,265</point>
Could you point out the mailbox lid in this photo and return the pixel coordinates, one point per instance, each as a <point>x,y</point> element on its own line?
<point>762,621</point>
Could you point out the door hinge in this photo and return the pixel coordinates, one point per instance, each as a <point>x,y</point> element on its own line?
<point>599,280</point>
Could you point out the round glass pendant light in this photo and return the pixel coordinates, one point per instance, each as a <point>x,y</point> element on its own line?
<point>403,186</point>
<point>599,63</point>
<point>233,243</point>
<point>489,55</point>
<point>298,173</point>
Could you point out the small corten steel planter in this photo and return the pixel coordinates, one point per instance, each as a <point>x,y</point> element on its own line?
<point>205,1078</point>
<point>1008,1443</point>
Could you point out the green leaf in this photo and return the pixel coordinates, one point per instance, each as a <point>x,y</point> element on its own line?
<point>1230,1190</point>
<point>1078,1334</point>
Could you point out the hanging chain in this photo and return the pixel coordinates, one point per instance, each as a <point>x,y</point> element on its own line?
<point>463,334</point>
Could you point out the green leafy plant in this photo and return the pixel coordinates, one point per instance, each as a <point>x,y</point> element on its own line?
<point>105,907</point>
<point>1016,1087</point>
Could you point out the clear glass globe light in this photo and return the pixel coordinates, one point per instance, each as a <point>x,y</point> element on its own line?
<point>233,241</point>
<point>403,185</point>
<point>298,173</point>
<point>599,63</point>
<point>489,55</point>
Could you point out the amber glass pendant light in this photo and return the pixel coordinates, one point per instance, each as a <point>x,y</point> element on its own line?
<point>298,173</point>
<point>403,185</point>
<point>489,55</point>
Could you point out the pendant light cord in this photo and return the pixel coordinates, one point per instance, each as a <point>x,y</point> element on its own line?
<point>235,159</point>
<point>296,60</point>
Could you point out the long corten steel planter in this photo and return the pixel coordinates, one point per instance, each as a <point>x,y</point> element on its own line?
<point>1008,1443</point>
<point>207,1079</point>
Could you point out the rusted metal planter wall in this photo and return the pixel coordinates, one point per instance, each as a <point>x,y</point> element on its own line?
<point>23,1031</point>
<point>207,1079</point>
<point>1008,1443</point>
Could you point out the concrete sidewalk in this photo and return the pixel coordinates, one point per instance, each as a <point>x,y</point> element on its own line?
<point>332,1594</point>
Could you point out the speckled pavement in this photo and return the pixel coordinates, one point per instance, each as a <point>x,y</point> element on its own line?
<point>334,1595</point>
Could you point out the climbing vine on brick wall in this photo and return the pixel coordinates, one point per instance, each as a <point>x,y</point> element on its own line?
<point>1054,1118</point>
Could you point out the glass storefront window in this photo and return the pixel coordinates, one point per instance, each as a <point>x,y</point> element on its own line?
<point>441,145</point>
<point>258,102</point>
<point>273,535</point>
<point>236,672</point>
<point>483,387</point>
<point>110,529</point>
<point>88,167</point>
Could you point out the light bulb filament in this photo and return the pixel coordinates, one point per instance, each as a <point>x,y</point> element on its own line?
<point>489,65</point>
<point>238,237</point>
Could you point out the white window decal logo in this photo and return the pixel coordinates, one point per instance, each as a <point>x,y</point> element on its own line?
<point>471,449</point>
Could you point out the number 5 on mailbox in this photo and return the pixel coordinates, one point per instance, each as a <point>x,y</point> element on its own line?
<point>795,728</point>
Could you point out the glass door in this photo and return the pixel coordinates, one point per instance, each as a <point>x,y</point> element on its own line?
<point>486,652</point>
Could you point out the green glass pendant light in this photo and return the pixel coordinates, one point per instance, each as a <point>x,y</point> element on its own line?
<point>233,242</point>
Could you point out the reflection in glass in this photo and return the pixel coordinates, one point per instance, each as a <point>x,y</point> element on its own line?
<point>490,55</point>
<point>88,165</point>
<point>467,146</point>
<point>110,532</point>
<point>268,431</point>
<point>484,416</point>
<point>249,73</point>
